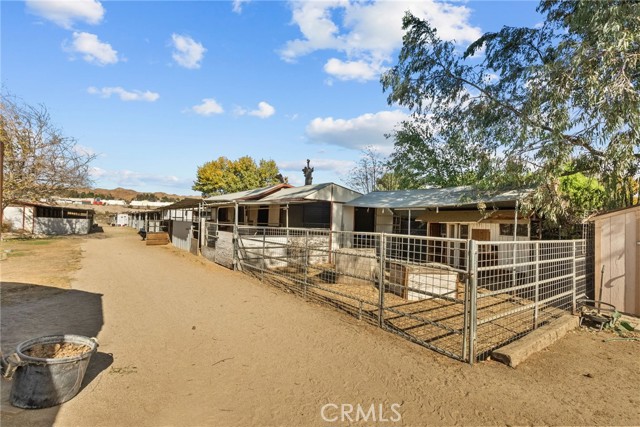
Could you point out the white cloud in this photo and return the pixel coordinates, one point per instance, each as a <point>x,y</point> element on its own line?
<point>351,70</point>
<point>124,95</point>
<point>92,49</point>
<point>264,110</point>
<point>65,12</point>
<point>127,178</point>
<point>357,133</point>
<point>208,107</point>
<point>368,33</point>
<point>237,5</point>
<point>188,53</point>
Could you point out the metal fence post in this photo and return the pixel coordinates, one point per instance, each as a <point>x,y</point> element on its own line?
<point>536,296</point>
<point>573,278</point>
<point>473,299</point>
<point>236,247</point>
<point>465,325</point>
<point>382,238</point>
<point>264,262</point>
<point>305,260</point>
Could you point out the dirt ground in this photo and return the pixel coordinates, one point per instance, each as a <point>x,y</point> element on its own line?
<point>185,342</point>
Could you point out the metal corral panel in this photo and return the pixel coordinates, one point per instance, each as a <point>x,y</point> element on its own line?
<point>181,235</point>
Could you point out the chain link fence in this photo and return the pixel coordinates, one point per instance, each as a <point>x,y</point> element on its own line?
<point>461,298</point>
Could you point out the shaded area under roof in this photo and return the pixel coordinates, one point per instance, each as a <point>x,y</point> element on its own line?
<point>252,194</point>
<point>466,196</point>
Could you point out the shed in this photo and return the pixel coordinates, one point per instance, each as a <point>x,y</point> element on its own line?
<point>224,212</point>
<point>456,212</point>
<point>309,206</point>
<point>225,205</point>
<point>40,218</point>
<point>617,248</point>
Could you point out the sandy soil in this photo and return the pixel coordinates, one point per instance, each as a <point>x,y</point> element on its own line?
<point>185,342</point>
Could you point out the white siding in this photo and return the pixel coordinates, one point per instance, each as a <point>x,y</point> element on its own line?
<point>19,217</point>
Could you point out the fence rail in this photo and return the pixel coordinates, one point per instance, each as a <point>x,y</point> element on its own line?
<point>462,298</point>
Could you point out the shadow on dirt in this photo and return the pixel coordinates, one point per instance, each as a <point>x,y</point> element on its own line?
<point>31,311</point>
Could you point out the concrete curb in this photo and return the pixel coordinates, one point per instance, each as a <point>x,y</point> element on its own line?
<point>517,352</point>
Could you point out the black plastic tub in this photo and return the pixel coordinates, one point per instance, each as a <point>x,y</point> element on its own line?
<point>43,382</point>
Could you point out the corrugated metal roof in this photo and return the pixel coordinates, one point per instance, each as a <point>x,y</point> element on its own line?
<point>315,192</point>
<point>183,204</point>
<point>435,198</point>
<point>255,193</point>
<point>49,205</point>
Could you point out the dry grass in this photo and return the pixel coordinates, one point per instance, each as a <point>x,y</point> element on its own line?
<point>47,262</point>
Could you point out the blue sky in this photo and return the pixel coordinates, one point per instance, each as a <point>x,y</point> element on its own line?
<point>157,88</point>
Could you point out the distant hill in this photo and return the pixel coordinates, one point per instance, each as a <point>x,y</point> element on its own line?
<point>124,194</point>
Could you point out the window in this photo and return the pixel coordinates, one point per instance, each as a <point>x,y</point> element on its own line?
<point>507,230</point>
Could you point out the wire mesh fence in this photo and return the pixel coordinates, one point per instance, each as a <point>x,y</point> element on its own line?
<point>462,298</point>
<point>523,285</point>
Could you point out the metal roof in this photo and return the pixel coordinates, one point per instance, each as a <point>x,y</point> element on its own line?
<point>315,192</point>
<point>49,205</point>
<point>189,202</point>
<point>466,196</point>
<point>255,193</point>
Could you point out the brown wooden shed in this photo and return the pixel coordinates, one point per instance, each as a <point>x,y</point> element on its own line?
<point>617,247</point>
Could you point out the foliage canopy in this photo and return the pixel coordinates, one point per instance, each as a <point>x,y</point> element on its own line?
<point>227,176</point>
<point>38,160</point>
<point>525,106</point>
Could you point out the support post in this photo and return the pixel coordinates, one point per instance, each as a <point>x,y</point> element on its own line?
<point>305,260</point>
<point>514,274</point>
<point>473,301</point>
<point>381,280</point>
<point>236,247</point>
<point>467,300</point>
<point>264,244</point>
<point>536,296</point>
<point>574,307</point>
<point>408,236</point>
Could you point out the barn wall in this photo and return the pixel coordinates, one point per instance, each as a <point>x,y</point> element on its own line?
<point>61,226</point>
<point>384,221</point>
<point>19,217</point>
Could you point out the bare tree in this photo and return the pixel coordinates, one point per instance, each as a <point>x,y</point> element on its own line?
<point>38,160</point>
<point>366,176</point>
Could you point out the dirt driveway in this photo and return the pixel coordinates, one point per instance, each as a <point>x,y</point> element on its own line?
<point>185,342</point>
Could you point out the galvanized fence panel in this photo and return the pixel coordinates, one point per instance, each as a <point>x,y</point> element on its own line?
<point>462,298</point>
<point>522,286</point>
<point>395,281</point>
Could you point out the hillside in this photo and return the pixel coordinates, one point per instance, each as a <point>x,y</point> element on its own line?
<point>123,194</point>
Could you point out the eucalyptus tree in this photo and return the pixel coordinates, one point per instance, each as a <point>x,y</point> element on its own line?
<point>525,106</point>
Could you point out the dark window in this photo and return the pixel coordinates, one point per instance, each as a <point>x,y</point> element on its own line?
<point>317,215</point>
<point>263,215</point>
<point>364,219</point>
<point>223,214</point>
<point>507,230</point>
